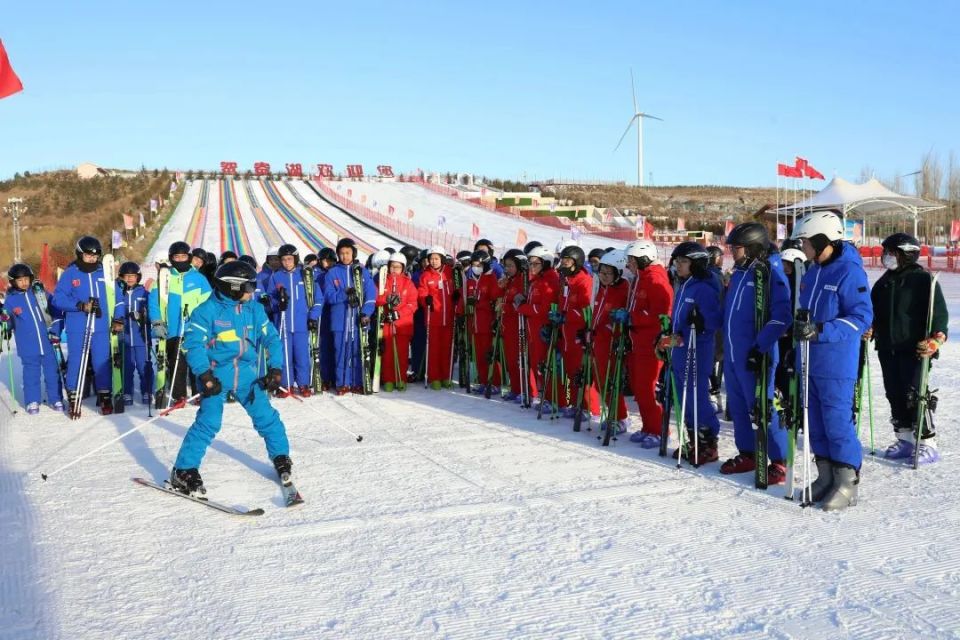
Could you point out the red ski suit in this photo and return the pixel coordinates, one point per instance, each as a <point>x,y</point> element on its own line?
<point>510,320</point>
<point>438,285</point>
<point>482,295</point>
<point>397,334</point>
<point>575,297</point>
<point>650,297</point>
<point>608,299</point>
<point>544,291</point>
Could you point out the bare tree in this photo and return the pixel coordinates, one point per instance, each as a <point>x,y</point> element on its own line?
<point>953,178</point>
<point>929,180</point>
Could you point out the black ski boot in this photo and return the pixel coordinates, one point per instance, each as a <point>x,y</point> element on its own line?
<point>284,467</point>
<point>105,402</point>
<point>187,481</point>
<point>824,482</point>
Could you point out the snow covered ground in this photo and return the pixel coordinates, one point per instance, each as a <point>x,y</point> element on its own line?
<point>176,228</point>
<point>459,517</point>
<point>429,206</point>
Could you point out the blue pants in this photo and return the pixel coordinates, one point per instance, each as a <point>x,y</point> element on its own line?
<point>99,358</point>
<point>698,393</point>
<point>136,358</point>
<point>296,356</point>
<point>833,433</point>
<point>32,366</point>
<point>206,425</point>
<point>741,400</point>
<point>347,354</point>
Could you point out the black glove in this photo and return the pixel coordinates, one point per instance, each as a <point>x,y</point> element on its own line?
<point>471,305</point>
<point>271,381</point>
<point>209,384</point>
<point>754,360</point>
<point>116,326</point>
<point>283,299</point>
<point>805,330</point>
<point>364,320</point>
<point>392,316</point>
<point>265,301</point>
<point>584,336</point>
<point>312,325</point>
<point>696,319</point>
<point>456,296</point>
<point>393,300</point>
<point>352,298</point>
<point>429,302</point>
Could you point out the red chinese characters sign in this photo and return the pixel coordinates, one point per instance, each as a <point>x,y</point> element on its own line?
<point>261,168</point>
<point>294,170</point>
<point>228,168</point>
<point>354,170</point>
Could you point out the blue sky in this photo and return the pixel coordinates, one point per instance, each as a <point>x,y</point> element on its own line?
<point>497,88</point>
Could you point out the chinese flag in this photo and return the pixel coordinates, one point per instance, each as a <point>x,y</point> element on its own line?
<point>9,82</point>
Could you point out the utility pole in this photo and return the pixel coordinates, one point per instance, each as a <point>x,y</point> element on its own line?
<point>15,209</point>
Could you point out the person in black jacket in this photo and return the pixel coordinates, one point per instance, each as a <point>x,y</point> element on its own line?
<point>900,299</point>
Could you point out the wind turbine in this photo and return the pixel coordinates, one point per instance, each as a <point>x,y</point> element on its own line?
<point>638,116</point>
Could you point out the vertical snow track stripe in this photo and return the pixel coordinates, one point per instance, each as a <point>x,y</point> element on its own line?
<point>269,230</point>
<point>310,237</point>
<point>198,221</point>
<point>326,220</point>
<point>233,235</point>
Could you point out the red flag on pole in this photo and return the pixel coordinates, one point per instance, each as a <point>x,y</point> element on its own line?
<point>474,231</point>
<point>391,210</point>
<point>782,169</point>
<point>792,172</point>
<point>9,82</point>
<point>954,231</point>
<point>521,237</point>
<point>800,164</point>
<point>812,173</point>
<point>728,228</point>
<point>409,214</point>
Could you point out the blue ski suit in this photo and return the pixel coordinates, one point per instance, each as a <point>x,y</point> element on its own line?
<point>328,361</point>
<point>29,324</point>
<point>76,287</point>
<point>344,320</point>
<point>292,323</point>
<point>741,335</point>
<point>838,297</point>
<point>132,309</point>
<point>704,293</point>
<point>226,337</point>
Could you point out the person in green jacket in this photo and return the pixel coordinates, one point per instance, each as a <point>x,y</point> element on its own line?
<point>901,298</point>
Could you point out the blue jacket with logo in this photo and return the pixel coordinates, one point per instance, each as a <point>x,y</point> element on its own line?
<point>76,287</point>
<point>29,322</point>
<point>338,279</point>
<point>294,319</point>
<point>739,323</point>
<point>132,308</point>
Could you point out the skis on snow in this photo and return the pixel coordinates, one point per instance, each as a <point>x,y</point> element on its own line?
<point>165,488</point>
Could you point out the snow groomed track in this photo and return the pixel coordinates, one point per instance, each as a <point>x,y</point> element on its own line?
<point>233,233</point>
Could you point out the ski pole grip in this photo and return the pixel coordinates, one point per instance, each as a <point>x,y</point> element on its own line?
<point>803,315</point>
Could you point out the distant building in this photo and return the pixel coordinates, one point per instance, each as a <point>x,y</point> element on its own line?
<point>87,170</point>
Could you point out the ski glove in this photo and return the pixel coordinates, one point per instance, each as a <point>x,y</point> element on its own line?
<point>271,381</point>
<point>364,320</point>
<point>54,338</point>
<point>754,360</point>
<point>352,298</point>
<point>116,326</point>
<point>159,330</point>
<point>518,300</point>
<point>929,347</point>
<point>209,384</point>
<point>669,341</point>
<point>620,316</point>
<point>283,300</point>
<point>265,301</point>
<point>312,325</point>
<point>555,316</point>
<point>429,302</point>
<point>806,331</point>
<point>584,337</point>
<point>393,300</point>
<point>696,320</point>
<point>91,306</point>
<point>4,317</point>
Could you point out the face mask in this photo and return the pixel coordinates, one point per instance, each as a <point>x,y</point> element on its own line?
<point>889,261</point>
<point>181,267</point>
<point>477,271</point>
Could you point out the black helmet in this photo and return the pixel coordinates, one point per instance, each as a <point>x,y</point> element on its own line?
<point>198,252</point>
<point>210,260</point>
<point>89,245</point>
<point>227,255</point>
<point>250,260</point>
<point>423,255</point>
<point>481,256</point>
<point>576,254</point>
<point>310,258</point>
<point>694,252</point>
<point>749,234</point>
<point>463,257</point>
<point>327,254</point>
<point>533,244</point>
<point>347,242</point>
<point>178,247</point>
<point>714,254</point>
<point>518,257</point>
<point>234,279</point>
<point>290,250</point>
<point>483,243</point>
<point>596,253</point>
<point>20,270</point>
<point>791,243</point>
<point>130,268</point>
<point>904,243</point>
<point>410,252</point>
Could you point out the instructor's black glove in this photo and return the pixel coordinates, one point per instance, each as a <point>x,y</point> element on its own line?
<point>283,299</point>
<point>352,298</point>
<point>364,320</point>
<point>754,360</point>
<point>429,302</point>
<point>805,331</point>
<point>271,381</point>
<point>209,384</point>
<point>696,319</point>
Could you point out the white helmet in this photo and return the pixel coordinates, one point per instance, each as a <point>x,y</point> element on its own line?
<point>642,249</point>
<point>379,259</point>
<point>543,254</point>
<point>617,259</point>
<point>273,250</point>
<point>564,243</point>
<point>789,256</point>
<point>437,249</point>
<point>826,223</point>
<point>399,258</point>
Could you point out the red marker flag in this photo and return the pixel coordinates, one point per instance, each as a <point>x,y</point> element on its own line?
<point>810,172</point>
<point>9,82</point>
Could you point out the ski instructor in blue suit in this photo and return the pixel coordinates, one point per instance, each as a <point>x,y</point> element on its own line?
<point>350,312</point>
<point>224,339</point>
<point>835,291</point>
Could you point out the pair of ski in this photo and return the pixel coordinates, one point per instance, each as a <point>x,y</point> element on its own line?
<point>291,497</point>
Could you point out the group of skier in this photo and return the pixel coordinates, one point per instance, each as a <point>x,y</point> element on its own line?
<point>565,332</point>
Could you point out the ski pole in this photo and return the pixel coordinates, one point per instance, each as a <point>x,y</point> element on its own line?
<point>426,352</point>
<point>870,405</point>
<point>13,388</point>
<point>176,361</point>
<point>320,413</point>
<point>179,405</point>
<point>696,400</point>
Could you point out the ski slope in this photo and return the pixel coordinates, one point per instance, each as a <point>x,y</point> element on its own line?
<point>459,517</point>
<point>459,217</point>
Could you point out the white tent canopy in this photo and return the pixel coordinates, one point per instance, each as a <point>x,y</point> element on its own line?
<point>869,197</point>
